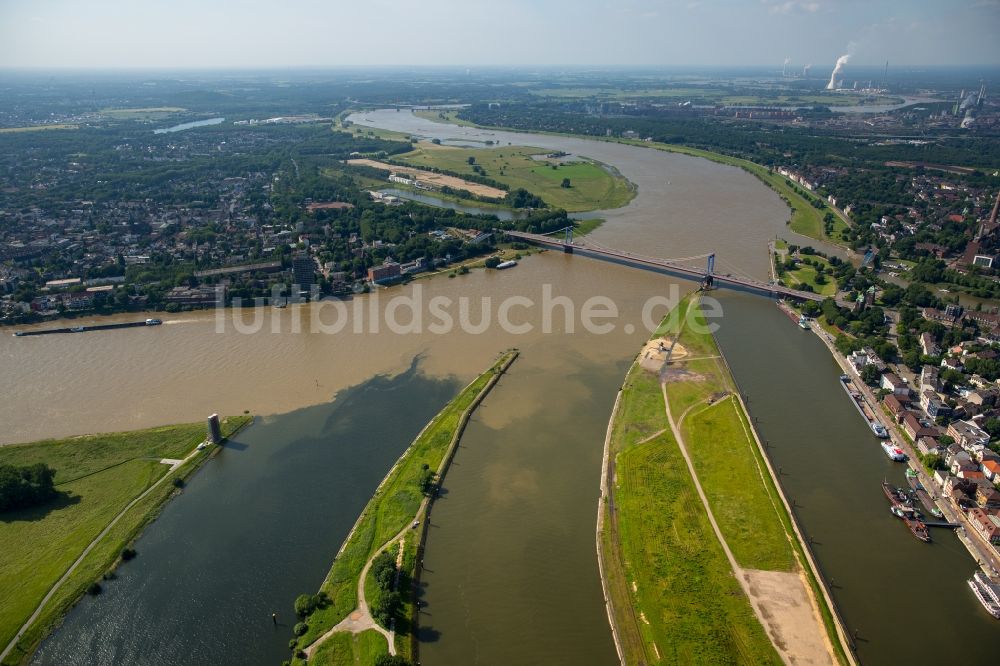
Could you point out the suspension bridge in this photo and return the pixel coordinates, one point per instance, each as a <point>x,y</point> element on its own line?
<point>682,267</point>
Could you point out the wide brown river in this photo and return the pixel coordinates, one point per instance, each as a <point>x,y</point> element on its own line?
<point>511,572</point>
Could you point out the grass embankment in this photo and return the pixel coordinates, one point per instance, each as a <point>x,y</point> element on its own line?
<point>592,185</point>
<point>395,504</point>
<point>344,649</point>
<point>100,475</point>
<point>672,592</point>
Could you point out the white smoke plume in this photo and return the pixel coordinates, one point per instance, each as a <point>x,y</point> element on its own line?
<point>838,68</point>
<point>784,66</point>
<point>805,70</point>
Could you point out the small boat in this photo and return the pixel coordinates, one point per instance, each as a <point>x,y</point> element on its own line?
<point>845,378</point>
<point>937,513</point>
<point>19,334</point>
<point>153,322</point>
<point>894,494</point>
<point>879,430</point>
<point>804,323</point>
<point>909,516</point>
<point>893,451</point>
<point>77,329</point>
<point>506,264</point>
<point>910,474</point>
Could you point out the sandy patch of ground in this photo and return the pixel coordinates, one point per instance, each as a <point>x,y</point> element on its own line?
<point>654,354</point>
<point>435,179</point>
<point>324,205</point>
<point>783,605</point>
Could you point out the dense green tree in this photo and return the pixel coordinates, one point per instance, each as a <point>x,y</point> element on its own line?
<point>26,486</point>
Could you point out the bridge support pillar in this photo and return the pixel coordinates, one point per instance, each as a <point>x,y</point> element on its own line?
<point>568,249</point>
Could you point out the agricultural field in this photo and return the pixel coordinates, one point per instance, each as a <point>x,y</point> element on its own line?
<point>142,113</point>
<point>98,475</point>
<point>37,128</point>
<point>592,185</point>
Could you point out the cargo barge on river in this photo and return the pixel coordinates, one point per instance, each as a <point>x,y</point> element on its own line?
<point>94,327</point>
<point>859,403</point>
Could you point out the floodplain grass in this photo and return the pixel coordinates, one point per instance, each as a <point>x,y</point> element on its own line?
<point>592,185</point>
<point>344,649</point>
<point>100,475</point>
<point>449,116</point>
<point>393,506</point>
<point>689,603</point>
<point>721,450</point>
<point>586,226</point>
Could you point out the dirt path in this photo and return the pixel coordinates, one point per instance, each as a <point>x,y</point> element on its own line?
<point>360,619</point>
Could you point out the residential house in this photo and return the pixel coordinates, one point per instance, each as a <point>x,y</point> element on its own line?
<point>915,429</point>
<point>941,476</point>
<point>858,360</point>
<point>928,445</point>
<point>930,378</point>
<point>952,364</point>
<point>968,434</point>
<point>986,523</point>
<point>988,497</point>
<point>928,346</point>
<point>991,470</point>
<point>983,397</point>
<point>892,382</point>
<point>932,404</point>
<point>896,405</point>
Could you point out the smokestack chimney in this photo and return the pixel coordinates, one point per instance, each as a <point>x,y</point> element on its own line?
<point>996,209</point>
<point>837,69</point>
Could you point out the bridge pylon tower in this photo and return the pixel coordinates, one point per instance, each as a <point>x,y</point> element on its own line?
<point>709,280</point>
<point>568,240</point>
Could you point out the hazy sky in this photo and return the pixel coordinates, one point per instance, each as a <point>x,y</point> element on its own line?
<point>283,33</point>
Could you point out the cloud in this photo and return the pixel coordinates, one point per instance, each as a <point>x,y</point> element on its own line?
<point>790,6</point>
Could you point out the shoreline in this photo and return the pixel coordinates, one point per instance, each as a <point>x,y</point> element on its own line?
<point>183,470</point>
